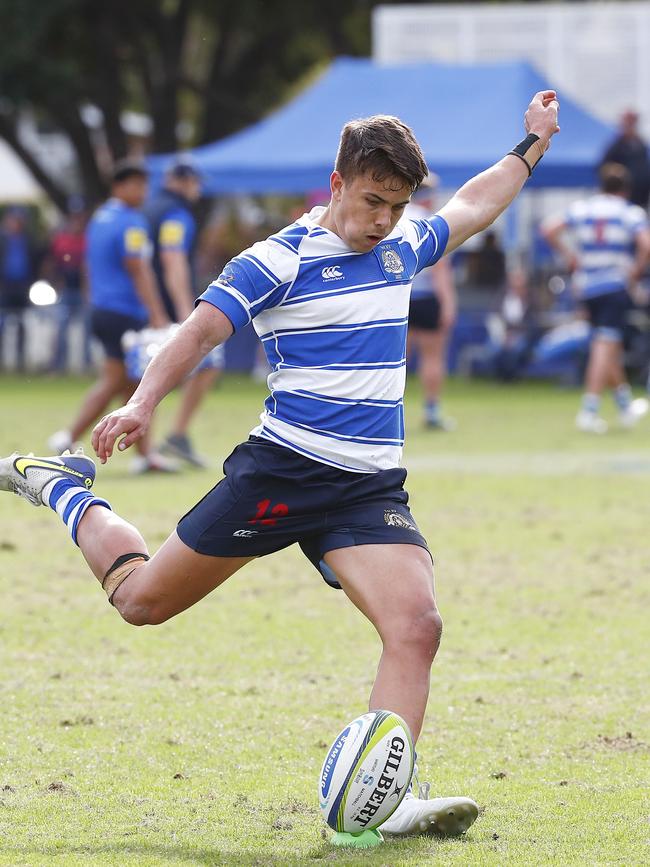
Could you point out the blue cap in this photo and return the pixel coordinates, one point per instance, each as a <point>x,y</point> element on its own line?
<point>184,168</point>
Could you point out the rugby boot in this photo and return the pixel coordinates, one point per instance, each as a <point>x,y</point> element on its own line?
<point>590,422</point>
<point>629,416</point>
<point>27,475</point>
<point>180,446</point>
<point>442,817</point>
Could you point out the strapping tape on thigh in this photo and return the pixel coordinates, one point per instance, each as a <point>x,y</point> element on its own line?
<point>120,571</point>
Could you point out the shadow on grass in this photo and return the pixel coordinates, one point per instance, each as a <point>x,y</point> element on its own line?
<point>125,853</point>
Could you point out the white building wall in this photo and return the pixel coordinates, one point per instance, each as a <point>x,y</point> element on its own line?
<point>599,53</point>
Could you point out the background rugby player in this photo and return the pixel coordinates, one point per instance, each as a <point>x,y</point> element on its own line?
<point>432,313</point>
<point>173,231</point>
<point>123,297</point>
<point>608,251</point>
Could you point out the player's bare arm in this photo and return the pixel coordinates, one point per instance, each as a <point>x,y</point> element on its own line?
<point>480,201</point>
<point>145,285</point>
<point>553,231</point>
<point>202,331</point>
<point>641,254</point>
<point>176,270</point>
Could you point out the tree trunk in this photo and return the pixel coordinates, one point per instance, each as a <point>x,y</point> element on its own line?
<point>56,193</point>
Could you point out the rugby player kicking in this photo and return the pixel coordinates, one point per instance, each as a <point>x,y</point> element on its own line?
<point>329,298</point>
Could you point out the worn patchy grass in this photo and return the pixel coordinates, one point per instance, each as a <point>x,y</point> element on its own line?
<point>199,742</point>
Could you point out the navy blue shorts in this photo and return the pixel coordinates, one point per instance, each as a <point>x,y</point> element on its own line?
<point>608,313</point>
<point>108,327</point>
<point>272,497</point>
<point>424,313</point>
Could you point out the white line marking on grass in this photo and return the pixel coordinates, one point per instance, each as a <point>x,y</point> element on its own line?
<point>539,464</point>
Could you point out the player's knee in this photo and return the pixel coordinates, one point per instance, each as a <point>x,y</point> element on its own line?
<point>142,611</point>
<point>418,633</point>
<point>427,630</point>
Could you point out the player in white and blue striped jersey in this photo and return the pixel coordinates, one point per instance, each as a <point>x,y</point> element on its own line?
<point>608,250</point>
<point>333,322</point>
<point>329,296</point>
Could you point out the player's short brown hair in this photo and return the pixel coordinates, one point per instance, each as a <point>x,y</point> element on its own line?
<point>615,178</point>
<point>383,146</point>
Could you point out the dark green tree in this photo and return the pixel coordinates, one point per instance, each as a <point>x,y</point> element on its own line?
<point>216,65</point>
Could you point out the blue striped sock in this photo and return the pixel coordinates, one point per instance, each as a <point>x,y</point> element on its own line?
<point>70,501</point>
<point>623,397</point>
<point>432,410</point>
<point>591,402</point>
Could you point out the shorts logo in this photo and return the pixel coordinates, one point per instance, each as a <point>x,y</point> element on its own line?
<point>392,262</point>
<point>245,533</point>
<point>394,519</point>
<point>332,273</point>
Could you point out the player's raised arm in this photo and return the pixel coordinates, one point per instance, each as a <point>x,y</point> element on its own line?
<point>202,331</point>
<point>480,201</point>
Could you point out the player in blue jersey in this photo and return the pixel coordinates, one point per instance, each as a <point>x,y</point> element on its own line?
<point>173,229</point>
<point>123,297</point>
<point>607,251</point>
<point>329,297</point>
<point>432,313</point>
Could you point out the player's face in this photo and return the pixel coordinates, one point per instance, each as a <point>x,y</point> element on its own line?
<point>134,191</point>
<point>192,189</point>
<point>365,211</point>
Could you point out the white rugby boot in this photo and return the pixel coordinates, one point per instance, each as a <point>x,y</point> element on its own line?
<point>444,817</point>
<point>636,410</point>
<point>590,422</point>
<point>27,475</point>
<point>153,462</point>
<point>60,442</point>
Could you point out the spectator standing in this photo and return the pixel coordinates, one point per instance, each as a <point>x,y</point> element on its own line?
<point>65,268</point>
<point>173,230</point>
<point>123,296</point>
<point>487,264</point>
<point>18,268</point>
<point>610,250</point>
<point>630,150</point>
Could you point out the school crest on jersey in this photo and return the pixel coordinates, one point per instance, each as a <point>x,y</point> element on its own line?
<point>392,261</point>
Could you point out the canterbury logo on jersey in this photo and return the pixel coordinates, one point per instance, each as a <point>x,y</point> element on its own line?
<point>24,464</point>
<point>332,273</point>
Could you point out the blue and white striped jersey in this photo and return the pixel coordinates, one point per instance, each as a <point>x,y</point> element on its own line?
<point>333,323</point>
<point>424,283</point>
<point>604,229</point>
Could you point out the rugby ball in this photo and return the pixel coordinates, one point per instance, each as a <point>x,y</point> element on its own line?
<point>366,772</point>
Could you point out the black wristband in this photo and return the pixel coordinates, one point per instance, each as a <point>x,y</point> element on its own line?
<point>530,151</point>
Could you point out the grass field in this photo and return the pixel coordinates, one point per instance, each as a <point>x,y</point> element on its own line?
<point>199,742</point>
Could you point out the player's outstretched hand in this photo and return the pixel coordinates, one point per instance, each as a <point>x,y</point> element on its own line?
<point>541,115</point>
<point>129,422</point>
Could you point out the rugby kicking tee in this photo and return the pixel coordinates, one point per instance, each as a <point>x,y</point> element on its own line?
<point>329,298</point>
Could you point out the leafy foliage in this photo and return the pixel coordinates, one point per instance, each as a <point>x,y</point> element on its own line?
<point>213,64</point>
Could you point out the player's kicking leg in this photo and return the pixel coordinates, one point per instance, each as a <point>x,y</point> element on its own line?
<point>393,586</point>
<point>144,590</point>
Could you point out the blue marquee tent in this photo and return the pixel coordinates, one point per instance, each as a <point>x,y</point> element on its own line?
<point>465,118</point>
